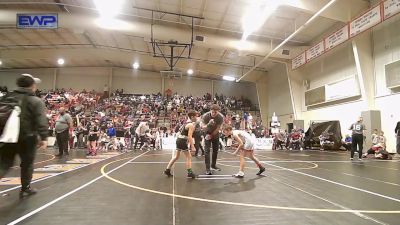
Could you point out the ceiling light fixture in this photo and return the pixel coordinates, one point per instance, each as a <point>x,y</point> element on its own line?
<point>229,78</point>
<point>1,62</point>
<point>256,15</point>
<point>108,8</point>
<point>135,66</point>
<point>113,24</point>
<point>60,61</point>
<point>244,45</point>
<point>190,71</point>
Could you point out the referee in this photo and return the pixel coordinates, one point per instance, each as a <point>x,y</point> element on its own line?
<point>357,138</point>
<point>211,122</point>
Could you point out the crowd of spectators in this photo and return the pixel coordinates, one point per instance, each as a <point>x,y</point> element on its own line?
<point>95,114</point>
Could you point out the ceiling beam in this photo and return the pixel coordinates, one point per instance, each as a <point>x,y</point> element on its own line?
<point>113,56</point>
<point>208,53</point>
<point>58,34</point>
<point>62,7</point>
<point>4,37</point>
<point>39,33</point>
<point>203,9</point>
<point>222,57</point>
<point>223,16</point>
<point>88,37</point>
<point>181,10</point>
<point>343,11</point>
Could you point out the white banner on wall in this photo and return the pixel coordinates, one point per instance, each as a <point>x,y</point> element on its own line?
<point>337,38</point>
<point>366,21</point>
<point>315,51</point>
<point>391,8</point>
<point>299,61</point>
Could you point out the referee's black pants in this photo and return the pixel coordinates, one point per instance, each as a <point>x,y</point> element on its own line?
<point>215,146</point>
<point>357,140</point>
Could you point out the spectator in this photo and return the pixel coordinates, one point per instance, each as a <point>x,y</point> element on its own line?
<point>63,124</point>
<point>33,124</point>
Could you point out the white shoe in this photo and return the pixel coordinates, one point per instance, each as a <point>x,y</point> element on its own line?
<point>239,175</point>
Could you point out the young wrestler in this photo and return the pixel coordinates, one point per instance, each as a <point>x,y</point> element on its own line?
<point>184,137</point>
<point>246,148</point>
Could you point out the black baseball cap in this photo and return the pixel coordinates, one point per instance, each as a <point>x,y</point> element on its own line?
<point>27,80</point>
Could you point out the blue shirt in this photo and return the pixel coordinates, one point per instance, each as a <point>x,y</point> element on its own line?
<point>111,132</point>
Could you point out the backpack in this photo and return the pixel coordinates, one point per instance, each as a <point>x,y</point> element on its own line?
<point>10,111</point>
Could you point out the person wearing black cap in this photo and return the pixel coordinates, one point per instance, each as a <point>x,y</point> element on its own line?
<point>33,123</point>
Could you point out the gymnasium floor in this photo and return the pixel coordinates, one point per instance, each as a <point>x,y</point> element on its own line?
<point>308,187</point>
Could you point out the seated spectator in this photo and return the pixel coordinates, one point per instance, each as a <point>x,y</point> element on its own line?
<point>347,142</point>
<point>374,137</point>
<point>295,141</point>
<point>378,150</point>
<point>280,139</point>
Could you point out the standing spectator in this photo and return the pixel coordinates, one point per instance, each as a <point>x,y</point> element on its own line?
<point>141,134</point>
<point>246,120</point>
<point>111,132</point>
<point>397,131</point>
<point>250,121</point>
<point>33,123</point>
<point>357,137</point>
<point>79,135</point>
<point>63,124</point>
<point>127,138</point>
<point>105,91</point>
<point>211,122</point>
<point>132,131</point>
<point>93,138</point>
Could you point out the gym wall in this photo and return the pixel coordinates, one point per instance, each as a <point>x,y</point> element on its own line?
<point>334,66</point>
<point>338,64</point>
<point>8,77</point>
<point>274,90</point>
<point>387,50</point>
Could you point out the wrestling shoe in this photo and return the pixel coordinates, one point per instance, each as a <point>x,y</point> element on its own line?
<point>191,175</point>
<point>239,175</point>
<point>168,173</point>
<point>262,169</point>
